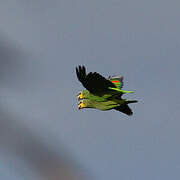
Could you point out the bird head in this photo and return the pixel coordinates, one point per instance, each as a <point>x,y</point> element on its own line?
<point>84,94</point>
<point>80,96</point>
<point>81,105</point>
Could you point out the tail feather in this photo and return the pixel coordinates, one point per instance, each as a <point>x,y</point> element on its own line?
<point>124,108</point>
<point>131,101</point>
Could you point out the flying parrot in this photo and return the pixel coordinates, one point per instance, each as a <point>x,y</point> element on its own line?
<point>119,105</point>
<point>102,93</point>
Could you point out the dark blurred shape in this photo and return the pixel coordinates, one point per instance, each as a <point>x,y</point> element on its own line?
<point>18,139</point>
<point>11,60</point>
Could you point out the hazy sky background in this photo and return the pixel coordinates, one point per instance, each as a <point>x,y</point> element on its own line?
<point>41,43</point>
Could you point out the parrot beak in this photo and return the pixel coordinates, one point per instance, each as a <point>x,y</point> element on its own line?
<point>81,105</point>
<point>79,96</point>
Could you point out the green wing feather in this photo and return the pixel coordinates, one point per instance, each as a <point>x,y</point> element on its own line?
<point>122,91</point>
<point>118,82</point>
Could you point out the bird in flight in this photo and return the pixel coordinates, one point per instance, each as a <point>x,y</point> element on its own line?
<point>101,93</point>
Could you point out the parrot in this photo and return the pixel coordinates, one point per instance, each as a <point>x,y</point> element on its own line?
<point>119,105</point>
<point>101,93</point>
<point>99,88</point>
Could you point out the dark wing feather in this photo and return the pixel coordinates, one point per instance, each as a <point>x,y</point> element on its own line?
<point>93,81</point>
<point>124,108</point>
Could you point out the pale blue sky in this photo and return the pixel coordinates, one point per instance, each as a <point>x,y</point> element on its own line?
<point>41,43</point>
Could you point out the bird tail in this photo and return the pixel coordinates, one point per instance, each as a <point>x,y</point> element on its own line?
<point>131,101</point>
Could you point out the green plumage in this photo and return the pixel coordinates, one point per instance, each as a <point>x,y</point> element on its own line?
<point>101,93</point>
<point>104,106</point>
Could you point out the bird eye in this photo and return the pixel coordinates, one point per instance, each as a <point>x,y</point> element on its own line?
<point>79,103</point>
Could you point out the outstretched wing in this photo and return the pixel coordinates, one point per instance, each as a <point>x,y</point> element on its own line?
<point>117,81</point>
<point>124,108</point>
<point>93,82</point>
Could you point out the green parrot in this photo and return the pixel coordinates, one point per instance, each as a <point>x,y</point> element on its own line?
<point>103,94</point>
<point>119,105</point>
<point>99,88</point>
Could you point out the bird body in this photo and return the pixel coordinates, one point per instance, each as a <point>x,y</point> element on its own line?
<point>119,105</point>
<point>104,106</point>
<point>101,93</point>
<point>85,94</point>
